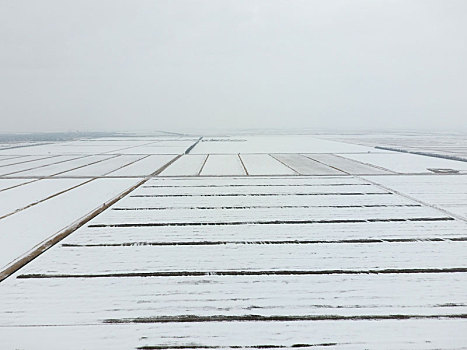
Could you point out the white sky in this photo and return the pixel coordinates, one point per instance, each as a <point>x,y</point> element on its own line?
<point>105,65</point>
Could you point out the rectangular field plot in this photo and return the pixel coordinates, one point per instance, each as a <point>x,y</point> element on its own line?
<point>306,166</point>
<point>413,334</point>
<point>264,181</point>
<point>264,164</point>
<point>63,168</point>
<point>407,163</point>
<point>273,144</point>
<point>24,230</point>
<point>260,259</point>
<point>17,169</point>
<point>10,160</point>
<point>143,167</point>
<point>347,165</point>
<point>83,300</point>
<point>312,212</point>
<point>187,165</point>
<point>366,232</point>
<point>23,196</point>
<point>104,167</point>
<point>223,165</point>
<point>6,184</point>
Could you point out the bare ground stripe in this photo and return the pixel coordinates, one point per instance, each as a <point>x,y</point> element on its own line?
<point>260,346</point>
<point>45,245</point>
<point>243,164</point>
<point>272,222</point>
<point>208,243</point>
<point>261,194</point>
<point>274,207</point>
<point>247,273</point>
<point>277,318</point>
<point>202,165</point>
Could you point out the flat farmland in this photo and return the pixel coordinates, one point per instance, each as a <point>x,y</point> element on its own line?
<point>242,241</point>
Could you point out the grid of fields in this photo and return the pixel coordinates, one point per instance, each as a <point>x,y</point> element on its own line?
<point>231,242</point>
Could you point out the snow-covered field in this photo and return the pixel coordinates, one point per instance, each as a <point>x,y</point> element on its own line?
<point>247,241</point>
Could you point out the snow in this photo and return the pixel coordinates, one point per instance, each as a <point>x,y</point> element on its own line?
<point>16,169</point>
<point>264,164</point>
<point>274,144</point>
<point>223,165</point>
<point>318,219</point>
<point>445,191</point>
<point>306,166</point>
<point>186,165</point>
<point>407,163</point>
<point>22,196</point>
<point>24,230</point>
<point>9,160</point>
<point>105,167</point>
<point>144,166</point>
<point>8,183</point>
<point>347,165</point>
<point>62,168</point>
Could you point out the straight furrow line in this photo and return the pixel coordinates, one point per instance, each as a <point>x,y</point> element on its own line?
<point>277,318</point>
<point>247,273</point>
<point>272,222</point>
<point>262,194</point>
<point>208,243</point>
<point>261,346</point>
<point>276,207</point>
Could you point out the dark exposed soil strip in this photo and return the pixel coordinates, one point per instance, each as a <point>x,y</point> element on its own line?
<point>261,194</point>
<point>272,222</point>
<point>243,164</point>
<point>278,318</point>
<point>275,207</point>
<point>262,346</point>
<point>259,185</point>
<point>247,273</point>
<point>208,243</point>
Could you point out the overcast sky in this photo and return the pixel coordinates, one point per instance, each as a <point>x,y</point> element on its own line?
<point>105,65</point>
